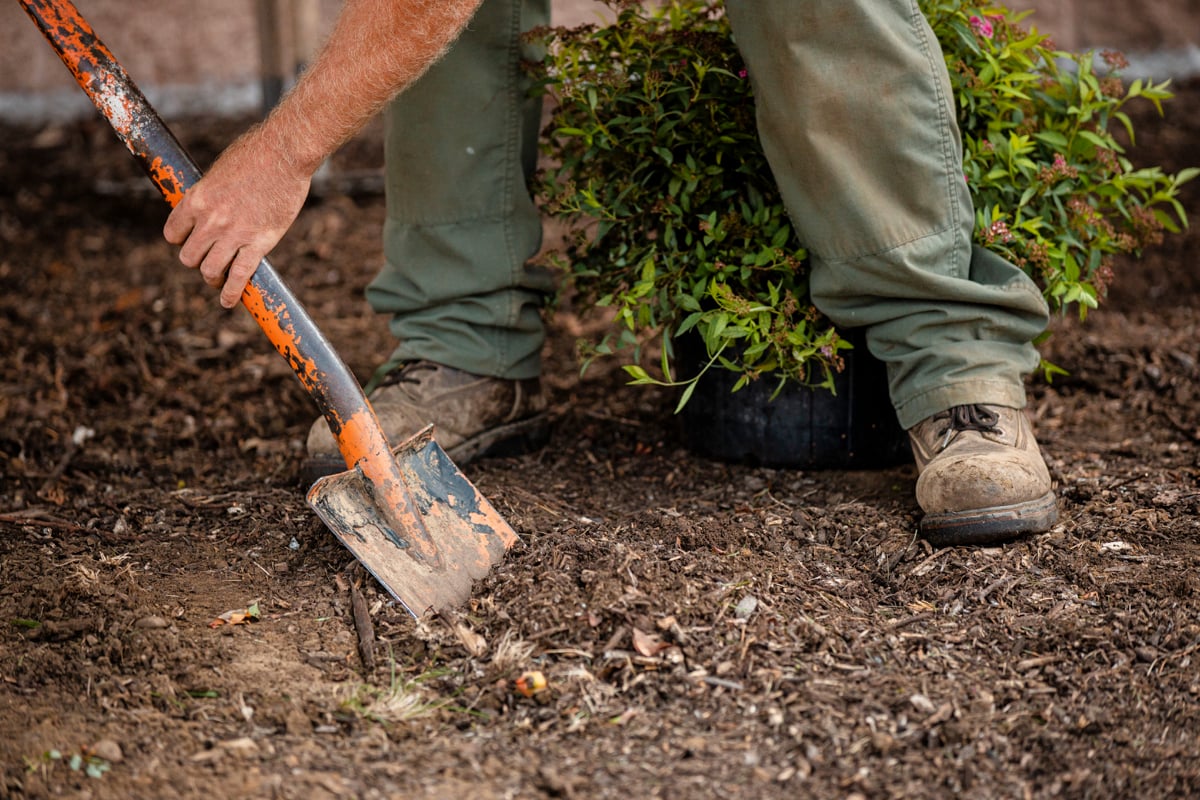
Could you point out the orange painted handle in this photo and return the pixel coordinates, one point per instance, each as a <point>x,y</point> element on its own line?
<point>281,316</point>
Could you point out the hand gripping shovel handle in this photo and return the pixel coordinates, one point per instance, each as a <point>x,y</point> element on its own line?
<point>281,316</point>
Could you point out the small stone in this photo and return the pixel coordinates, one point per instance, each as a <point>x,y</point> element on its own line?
<point>109,750</point>
<point>244,745</point>
<point>922,703</point>
<point>883,743</point>
<point>151,623</point>
<point>745,607</point>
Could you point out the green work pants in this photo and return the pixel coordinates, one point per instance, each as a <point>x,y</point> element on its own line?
<point>460,145</point>
<point>857,119</point>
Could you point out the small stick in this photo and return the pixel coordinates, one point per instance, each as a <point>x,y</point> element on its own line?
<point>362,623</point>
<point>39,519</point>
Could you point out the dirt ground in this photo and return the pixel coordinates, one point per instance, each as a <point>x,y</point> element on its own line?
<point>705,629</point>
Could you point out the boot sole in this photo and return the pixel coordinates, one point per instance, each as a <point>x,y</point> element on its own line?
<point>990,525</point>
<point>513,439</point>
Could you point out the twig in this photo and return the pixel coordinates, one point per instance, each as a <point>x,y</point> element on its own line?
<point>1007,583</point>
<point>39,518</point>
<point>1040,661</point>
<point>904,622</point>
<point>362,623</point>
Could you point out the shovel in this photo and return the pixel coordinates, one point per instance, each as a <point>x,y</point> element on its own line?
<point>409,515</point>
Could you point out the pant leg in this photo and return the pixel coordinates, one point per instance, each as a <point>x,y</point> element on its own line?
<point>460,146</point>
<point>856,115</point>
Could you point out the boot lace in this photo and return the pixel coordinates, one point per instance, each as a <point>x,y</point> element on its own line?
<point>404,373</point>
<point>400,373</point>
<point>972,417</point>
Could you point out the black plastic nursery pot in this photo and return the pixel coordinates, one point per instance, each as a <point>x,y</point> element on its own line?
<point>852,428</point>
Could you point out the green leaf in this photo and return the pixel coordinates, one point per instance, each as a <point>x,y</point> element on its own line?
<point>687,395</point>
<point>638,374</point>
<point>1054,139</point>
<point>1186,174</point>
<point>689,322</point>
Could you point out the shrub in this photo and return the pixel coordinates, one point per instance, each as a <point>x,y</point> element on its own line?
<point>679,226</point>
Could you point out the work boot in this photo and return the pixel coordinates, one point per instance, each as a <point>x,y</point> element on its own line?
<point>472,415</point>
<point>981,479</point>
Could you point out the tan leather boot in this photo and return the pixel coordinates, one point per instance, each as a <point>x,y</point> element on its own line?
<point>472,415</point>
<point>982,478</point>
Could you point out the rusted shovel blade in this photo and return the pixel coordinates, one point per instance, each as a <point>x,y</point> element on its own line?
<point>467,531</point>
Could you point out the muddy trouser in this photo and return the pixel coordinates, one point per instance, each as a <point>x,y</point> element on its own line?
<point>857,119</point>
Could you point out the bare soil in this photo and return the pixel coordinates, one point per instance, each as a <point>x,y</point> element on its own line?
<point>705,629</point>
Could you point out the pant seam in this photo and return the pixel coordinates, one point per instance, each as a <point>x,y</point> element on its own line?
<point>512,159</point>
<point>920,27</point>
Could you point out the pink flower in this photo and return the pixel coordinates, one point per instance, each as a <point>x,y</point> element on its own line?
<point>998,230</point>
<point>1059,169</point>
<point>742,74</point>
<point>982,27</point>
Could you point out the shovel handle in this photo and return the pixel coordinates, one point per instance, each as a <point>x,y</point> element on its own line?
<point>294,335</point>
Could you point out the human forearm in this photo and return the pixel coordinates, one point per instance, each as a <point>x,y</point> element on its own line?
<point>377,48</point>
<point>241,209</point>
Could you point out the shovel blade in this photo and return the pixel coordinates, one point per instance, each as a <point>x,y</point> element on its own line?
<point>468,533</point>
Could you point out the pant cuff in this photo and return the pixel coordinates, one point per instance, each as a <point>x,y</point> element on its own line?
<point>933,401</point>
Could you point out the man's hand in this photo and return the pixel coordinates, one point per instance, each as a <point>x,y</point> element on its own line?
<point>230,220</point>
<point>234,215</point>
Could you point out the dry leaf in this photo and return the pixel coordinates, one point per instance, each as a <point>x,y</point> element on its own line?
<point>476,645</point>
<point>241,616</point>
<point>648,644</point>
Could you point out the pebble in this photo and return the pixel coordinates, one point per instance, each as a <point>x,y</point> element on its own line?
<point>745,607</point>
<point>244,745</point>
<point>151,623</point>
<point>922,703</point>
<point>109,750</point>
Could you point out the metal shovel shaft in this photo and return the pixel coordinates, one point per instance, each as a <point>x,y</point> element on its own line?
<point>322,372</point>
